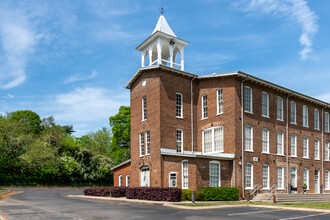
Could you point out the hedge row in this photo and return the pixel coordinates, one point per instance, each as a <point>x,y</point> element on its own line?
<point>144,193</point>
<point>212,194</point>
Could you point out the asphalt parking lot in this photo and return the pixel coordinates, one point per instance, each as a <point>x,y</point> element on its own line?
<point>51,204</point>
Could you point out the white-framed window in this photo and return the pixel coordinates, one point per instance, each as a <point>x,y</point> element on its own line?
<point>147,142</point>
<point>247,99</point>
<point>280,109</point>
<point>204,106</point>
<point>213,140</point>
<point>144,108</point>
<point>326,122</point>
<point>293,145</point>
<point>306,177</point>
<point>265,104</point>
<point>280,143</point>
<point>214,174</point>
<point>249,176</point>
<point>179,140</point>
<point>248,138</point>
<point>316,119</point>
<point>141,144</point>
<point>185,174</point>
<point>280,177</point>
<point>120,180</point>
<point>327,180</point>
<point>128,181</point>
<point>220,101</point>
<point>265,140</point>
<point>293,112</point>
<point>172,179</point>
<point>265,176</point>
<point>305,147</point>
<point>294,176</point>
<point>316,149</point>
<point>179,105</point>
<point>305,115</point>
<point>327,151</point>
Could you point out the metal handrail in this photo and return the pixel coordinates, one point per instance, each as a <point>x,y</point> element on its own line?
<point>273,190</point>
<point>255,191</point>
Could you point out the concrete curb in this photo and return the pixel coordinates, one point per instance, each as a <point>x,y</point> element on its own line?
<point>172,205</point>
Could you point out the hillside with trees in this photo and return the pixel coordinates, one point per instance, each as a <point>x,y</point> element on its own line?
<point>36,151</point>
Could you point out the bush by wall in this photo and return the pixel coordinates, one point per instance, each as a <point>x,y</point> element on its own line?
<point>154,193</point>
<point>106,191</point>
<point>187,195</point>
<point>220,193</point>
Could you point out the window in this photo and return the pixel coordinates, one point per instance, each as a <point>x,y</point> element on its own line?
<point>248,138</point>
<point>280,178</point>
<point>148,142</point>
<point>141,144</point>
<point>144,108</point>
<point>280,108</point>
<point>247,99</point>
<point>316,119</point>
<point>265,176</point>
<point>213,140</point>
<point>120,180</point>
<point>327,151</point>
<point>306,177</point>
<point>204,106</point>
<point>293,112</point>
<point>326,122</point>
<point>265,104</point>
<point>128,181</point>
<point>305,116</point>
<point>179,106</point>
<point>293,145</point>
<point>294,176</point>
<point>185,174</point>
<point>305,147</point>
<point>248,176</point>
<point>327,180</point>
<point>214,174</point>
<point>316,149</point>
<point>265,140</point>
<point>172,179</point>
<point>179,139</point>
<point>280,146</point>
<point>220,101</point>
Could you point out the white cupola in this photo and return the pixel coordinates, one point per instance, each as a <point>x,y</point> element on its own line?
<point>163,47</point>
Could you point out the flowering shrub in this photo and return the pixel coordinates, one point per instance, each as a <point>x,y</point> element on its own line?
<point>154,193</point>
<point>106,191</point>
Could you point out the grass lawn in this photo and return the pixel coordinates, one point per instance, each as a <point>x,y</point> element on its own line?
<point>319,205</point>
<point>3,191</point>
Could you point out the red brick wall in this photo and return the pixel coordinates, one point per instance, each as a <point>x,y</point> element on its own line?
<point>122,170</point>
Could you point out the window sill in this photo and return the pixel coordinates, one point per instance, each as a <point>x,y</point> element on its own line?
<point>204,119</point>
<point>293,123</point>
<point>178,117</point>
<point>250,188</point>
<point>316,159</point>
<point>147,155</point>
<point>219,114</point>
<point>141,156</point>
<point>265,116</point>
<point>265,153</point>
<point>144,120</point>
<point>282,155</point>
<point>305,126</point>
<point>248,112</point>
<point>307,158</point>
<point>316,129</point>
<point>280,120</point>
<point>282,189</point>
<point>265,189</point>
<point>251,151</point>
<point>293,156</point>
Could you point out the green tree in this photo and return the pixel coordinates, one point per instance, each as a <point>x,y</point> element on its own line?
<point>29,119</point>
<point>120,125</point>
<point>98,141</point>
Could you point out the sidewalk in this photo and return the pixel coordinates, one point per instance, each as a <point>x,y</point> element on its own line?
<point>174,204</point>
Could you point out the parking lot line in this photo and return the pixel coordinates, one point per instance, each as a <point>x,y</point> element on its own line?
<point>304,216</point>
<point>245,213</point>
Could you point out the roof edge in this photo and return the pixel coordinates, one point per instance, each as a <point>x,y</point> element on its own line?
<point>121,164</point>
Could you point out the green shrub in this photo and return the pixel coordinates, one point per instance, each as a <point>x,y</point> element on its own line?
<point>220,193</point>
<point>186,194</point>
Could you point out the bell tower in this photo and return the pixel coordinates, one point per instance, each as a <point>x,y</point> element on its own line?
<point>163,47</point>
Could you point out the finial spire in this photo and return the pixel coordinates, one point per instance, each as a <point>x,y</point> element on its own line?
<point>161,10</point>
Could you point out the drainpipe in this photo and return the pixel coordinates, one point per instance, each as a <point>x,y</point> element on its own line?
<point>242,118</point>
<point>322,157</point>
<point>192,114</point>
<point>287,142</point>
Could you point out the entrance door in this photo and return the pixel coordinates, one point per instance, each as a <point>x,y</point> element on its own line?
<point>145,176</point>
<point>317,181</point>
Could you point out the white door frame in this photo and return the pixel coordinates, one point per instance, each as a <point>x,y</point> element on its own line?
<point>317,181</point>
<point>145,176</point>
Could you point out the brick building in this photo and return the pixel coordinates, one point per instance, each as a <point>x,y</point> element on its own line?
<point>229,129</point>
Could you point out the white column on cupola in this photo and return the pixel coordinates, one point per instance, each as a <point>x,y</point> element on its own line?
<point>150,56</point>
<point>143,58</point>
<point>182,58</point>
<point>159,52</point>
<point>171,56</point>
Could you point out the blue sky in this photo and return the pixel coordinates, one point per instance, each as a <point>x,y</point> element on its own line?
<point>71,59</point>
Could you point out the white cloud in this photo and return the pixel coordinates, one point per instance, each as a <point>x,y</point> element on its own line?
<point>324,97</point>
<point>296,10</point>
<point>8,96</point>
<point>86,107</point>
<point>18,40</point>
<point>78,77</point>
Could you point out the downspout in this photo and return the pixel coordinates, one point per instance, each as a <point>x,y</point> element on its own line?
<point>242,118</point>
<point>192,114</point>
<point>287,141</point>
<point>322,157</point>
